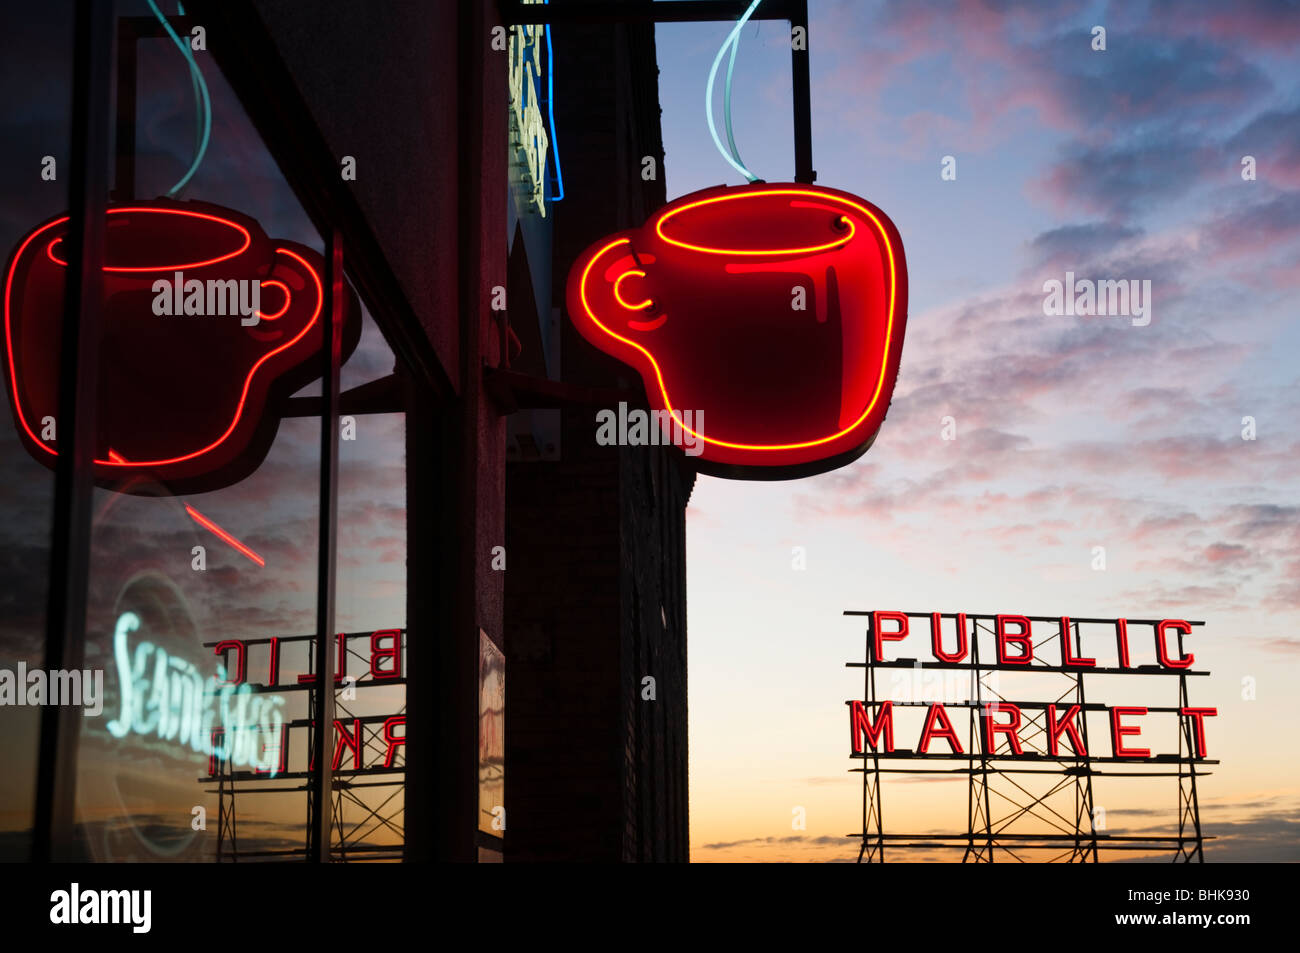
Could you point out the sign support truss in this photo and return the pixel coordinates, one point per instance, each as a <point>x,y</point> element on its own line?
<point>381,811</point>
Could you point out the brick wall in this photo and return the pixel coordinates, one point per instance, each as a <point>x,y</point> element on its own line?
<point>595,595</point>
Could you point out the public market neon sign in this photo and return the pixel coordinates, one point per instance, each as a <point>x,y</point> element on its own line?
<point>165,697</point>
<point>1003,725</point>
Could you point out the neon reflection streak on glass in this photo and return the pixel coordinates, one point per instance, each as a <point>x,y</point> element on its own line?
<point>238,417</point>
<point>181,266</point>
<point>202,100</point>
<point>222,535</point>
<point>178,705</point>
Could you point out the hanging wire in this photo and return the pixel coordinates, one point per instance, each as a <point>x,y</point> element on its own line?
<point>202,102</point>
<point>732,41</point>
<point>726,102</point>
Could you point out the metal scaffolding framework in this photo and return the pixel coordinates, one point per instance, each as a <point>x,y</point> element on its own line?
<point>1036,802</point>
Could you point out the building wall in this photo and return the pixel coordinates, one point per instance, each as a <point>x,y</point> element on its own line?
<point>415,92</point>
<point>593,599</point>
<point>382,81</point>
<point>595,589</point>
<point>654,491</point>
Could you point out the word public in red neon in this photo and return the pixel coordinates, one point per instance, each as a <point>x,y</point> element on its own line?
<point>776,310</point>
<point>1014,640</point>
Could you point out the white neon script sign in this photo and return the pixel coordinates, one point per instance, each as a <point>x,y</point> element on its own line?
<point>164,696</point>
<point>527,128</point>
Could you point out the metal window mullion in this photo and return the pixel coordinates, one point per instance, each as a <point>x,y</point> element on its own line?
<point>322,733</point>
<point>801,97</point>
<point>65,615</point>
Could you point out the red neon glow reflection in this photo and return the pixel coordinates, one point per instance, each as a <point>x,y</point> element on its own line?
<point>223,535</point>
<point>180,266</point>
<point>288,296</point>
<point>114,459</point>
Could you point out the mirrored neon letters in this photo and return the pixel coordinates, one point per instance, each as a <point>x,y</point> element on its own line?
<point>164,696</point>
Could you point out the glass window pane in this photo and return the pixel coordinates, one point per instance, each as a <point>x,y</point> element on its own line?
<point>35,85</point>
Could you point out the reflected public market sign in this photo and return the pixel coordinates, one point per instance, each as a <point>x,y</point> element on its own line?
<point>191,388</point>
<point>163,697</point>
<point>382,735</point>
<point>775,312</point>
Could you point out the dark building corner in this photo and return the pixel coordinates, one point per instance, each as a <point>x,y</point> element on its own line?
<point>596,586</point>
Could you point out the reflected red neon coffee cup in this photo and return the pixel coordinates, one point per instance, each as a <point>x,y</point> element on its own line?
<point>206,324</point>
<point>775,310</point>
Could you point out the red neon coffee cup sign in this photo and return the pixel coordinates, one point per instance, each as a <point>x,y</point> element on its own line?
<point>775,312</point>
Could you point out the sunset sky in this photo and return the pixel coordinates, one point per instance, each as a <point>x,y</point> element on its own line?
<point>1072,432</point>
